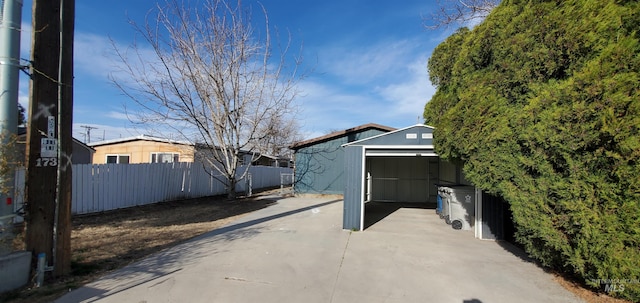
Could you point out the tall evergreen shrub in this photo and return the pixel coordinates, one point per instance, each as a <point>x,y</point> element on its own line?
<point>541,102</point>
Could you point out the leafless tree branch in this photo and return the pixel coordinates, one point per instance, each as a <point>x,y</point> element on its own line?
<point>459,12</point>
<point>207,74</point>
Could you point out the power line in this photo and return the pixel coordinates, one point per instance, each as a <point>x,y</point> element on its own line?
<point>87,133</point>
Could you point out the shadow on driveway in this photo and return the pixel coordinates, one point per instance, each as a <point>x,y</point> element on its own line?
<point>174,259</point>
<point>375,212</point>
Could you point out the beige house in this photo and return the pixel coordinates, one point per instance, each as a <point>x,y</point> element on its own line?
<point>148,149</point>
<point>141,149</point>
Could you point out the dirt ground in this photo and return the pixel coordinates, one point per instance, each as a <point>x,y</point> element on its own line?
<point>107,241</point>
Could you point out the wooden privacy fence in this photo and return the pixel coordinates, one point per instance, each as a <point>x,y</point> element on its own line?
<point>102,187</point>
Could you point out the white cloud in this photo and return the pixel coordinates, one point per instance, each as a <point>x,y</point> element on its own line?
<point>396,99</point>
<point>409,97</point>
<point>23,100</point>
<point>364,64</point>
<point>119,116</point>
<point>326,108</point>
<point>93,55</point>
<point>96,55</point>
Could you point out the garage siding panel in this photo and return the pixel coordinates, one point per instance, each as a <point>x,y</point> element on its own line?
<point>352,212</point>
<point>319,168</point>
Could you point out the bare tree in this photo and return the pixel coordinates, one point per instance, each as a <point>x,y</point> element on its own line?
<point>279,135</point>
<point>459,12</point>
<point>212,78</point>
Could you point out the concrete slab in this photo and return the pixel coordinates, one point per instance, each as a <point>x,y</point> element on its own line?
<point>14,270</point>
<point>296,251</point>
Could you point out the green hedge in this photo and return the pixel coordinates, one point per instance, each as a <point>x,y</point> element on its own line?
<point>541,102</point>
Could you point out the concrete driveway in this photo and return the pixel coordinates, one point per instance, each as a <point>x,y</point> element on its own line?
<point>296,251</point>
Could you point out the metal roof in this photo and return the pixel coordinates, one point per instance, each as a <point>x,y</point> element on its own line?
<point>137,138</point>
<point>301,144</point>
<point>375,140</point>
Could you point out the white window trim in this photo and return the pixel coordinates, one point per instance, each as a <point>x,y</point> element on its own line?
<point>162,153</point>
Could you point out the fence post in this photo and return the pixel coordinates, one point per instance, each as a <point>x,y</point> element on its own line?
<point>249,185</point>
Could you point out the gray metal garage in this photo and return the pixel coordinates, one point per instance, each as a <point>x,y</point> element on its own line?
<point>319,162</point>
<point>398,166</point>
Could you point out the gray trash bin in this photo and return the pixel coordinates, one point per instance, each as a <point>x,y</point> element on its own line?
<point>462,207</point>
<point>445,193</point>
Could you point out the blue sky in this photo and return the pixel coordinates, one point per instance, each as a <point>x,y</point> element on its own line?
<point>369,61</point>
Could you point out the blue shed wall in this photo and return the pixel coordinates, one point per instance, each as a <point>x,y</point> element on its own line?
<point>352,209</point>
<point>319,168</point>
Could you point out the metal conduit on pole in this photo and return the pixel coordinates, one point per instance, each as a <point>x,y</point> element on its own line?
<point>10,20</point>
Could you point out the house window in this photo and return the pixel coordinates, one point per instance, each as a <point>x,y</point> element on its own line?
<point>164,157</point>
<point>121,159</point>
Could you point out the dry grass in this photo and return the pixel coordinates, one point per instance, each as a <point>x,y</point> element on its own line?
<point>110,240</point>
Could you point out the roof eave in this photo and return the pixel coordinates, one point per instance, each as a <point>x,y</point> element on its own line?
<point>137,138</point>
<point>340,133</point>
<point>385,134</point>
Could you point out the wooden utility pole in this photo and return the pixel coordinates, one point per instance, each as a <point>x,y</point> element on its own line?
<point>49,137</point>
